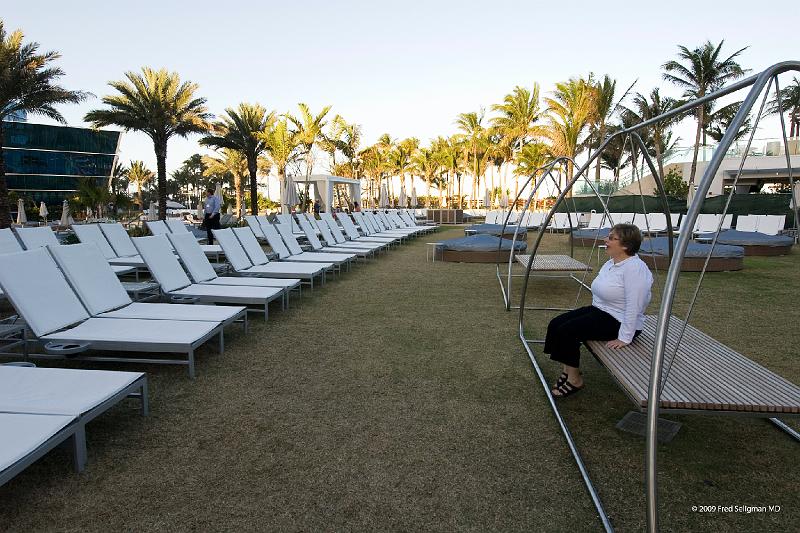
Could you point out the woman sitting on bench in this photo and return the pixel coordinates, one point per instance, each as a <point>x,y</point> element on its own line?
<point>620,294</point>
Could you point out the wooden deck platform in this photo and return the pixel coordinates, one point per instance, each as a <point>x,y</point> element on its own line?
<point>553,263</point>
<point>705,375</point>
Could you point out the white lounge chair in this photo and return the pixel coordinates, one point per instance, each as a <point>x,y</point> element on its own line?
<point>42,407</point>
<point>41,295</point>
<point>352,231</point>
<point>104,296</point>
<point>159,227</point>
<point>380,224</point>
<point>91,233</point>
<point>334,236</point>
<point>42,236</point>
<point>200,270</point>
<point>316,245</point>
<point>296,253</point>
<point>157,253</point>
<point>747,223</point>
<point>239,258</point>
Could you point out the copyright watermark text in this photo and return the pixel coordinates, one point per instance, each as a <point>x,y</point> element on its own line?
<point>745,509</point>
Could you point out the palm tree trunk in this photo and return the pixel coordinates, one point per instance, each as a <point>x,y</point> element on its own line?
<point>601,134</point>
<point>659,155</point>
<point>252,169</point>
<point>693,169</point>
<point>237,185</point>
<point>5,212</point>
<point>161,165</point>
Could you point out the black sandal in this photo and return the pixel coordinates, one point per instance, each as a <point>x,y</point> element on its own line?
<point>563,378</point>
<point>565,389</point>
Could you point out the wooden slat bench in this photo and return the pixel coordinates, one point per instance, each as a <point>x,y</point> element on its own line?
<point>552,263</point>
<point>704,375</point>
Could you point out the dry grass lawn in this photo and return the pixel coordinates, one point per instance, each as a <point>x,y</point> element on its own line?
<point>399,397</point>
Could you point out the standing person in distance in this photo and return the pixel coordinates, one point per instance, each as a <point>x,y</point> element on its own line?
<point>620,294</point>
<point>211,214</point>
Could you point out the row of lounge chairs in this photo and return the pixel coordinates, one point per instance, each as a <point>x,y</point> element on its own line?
<point>647,222</point>
<point>71,299</point>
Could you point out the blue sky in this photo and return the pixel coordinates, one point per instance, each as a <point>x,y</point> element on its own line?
<point>404,68</point>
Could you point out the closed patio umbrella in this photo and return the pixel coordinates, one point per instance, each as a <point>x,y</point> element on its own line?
<point>200,210</point>
<point>89,213</point>
<point>487,199</point>
<point>289,197</point>
<point>218,192</point>
<point>43,211</point>
<point>402,196</point>
<point>152,213</point>
<point>22,218</point>
<point>413,197</point>
<point>504,200</point>
<point>64,214</point>
<point>384,198</point>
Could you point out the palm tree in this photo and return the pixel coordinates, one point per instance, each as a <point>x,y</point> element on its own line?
<point>229,162</point>
<point>518,115</point>
<point>157,103</point>
<point>699,72</point>
<point>570,111</point>
<point>308,132</point>
<point>605,107</point>
<point>400,158</point>
<point>790,104</point>
<point>27,83</point>
<point>281,143</point>
<point>471,124</point>
<point>427,165</point>
<point>643,109</point>
<point>140,175</point>
<point>239,130</point>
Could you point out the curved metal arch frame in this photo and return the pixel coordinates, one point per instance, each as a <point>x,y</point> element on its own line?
<point>527,343</point>
<point>758,83</point>
<point>546,172</point>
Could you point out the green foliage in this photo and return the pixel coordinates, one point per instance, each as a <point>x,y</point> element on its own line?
<point>674,185</point>
<point>28,83</point>
<point>265,204</point>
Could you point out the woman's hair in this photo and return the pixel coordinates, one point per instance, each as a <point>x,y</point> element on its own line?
<point>629,237</point>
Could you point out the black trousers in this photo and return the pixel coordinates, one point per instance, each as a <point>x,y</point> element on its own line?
<point>211,222</point>
<point>566,332</point>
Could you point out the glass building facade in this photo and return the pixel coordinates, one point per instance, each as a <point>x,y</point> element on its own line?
<point>46,163</point>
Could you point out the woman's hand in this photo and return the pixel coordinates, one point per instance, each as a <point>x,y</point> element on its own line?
<point>615,344</point>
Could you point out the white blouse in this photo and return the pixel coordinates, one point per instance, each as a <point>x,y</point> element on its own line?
<point>623,291</point>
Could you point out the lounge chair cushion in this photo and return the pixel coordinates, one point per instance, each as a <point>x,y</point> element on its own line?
<point>192,256</point>
<point>8,242</point>
<point>23,434</point>
<point>36,237</point>
<point>59,391</point>
<point>119,239</point>
<point>39,292</point>
<point>234,252</point>
<point>157,253</point>
<point>91,277</point>
<point>152,335</point>
<point>163,311</point>
<point>251,247</point>
<point>91,233</point>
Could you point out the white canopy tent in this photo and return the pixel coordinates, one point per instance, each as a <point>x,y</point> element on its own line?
<point>324,188</point>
